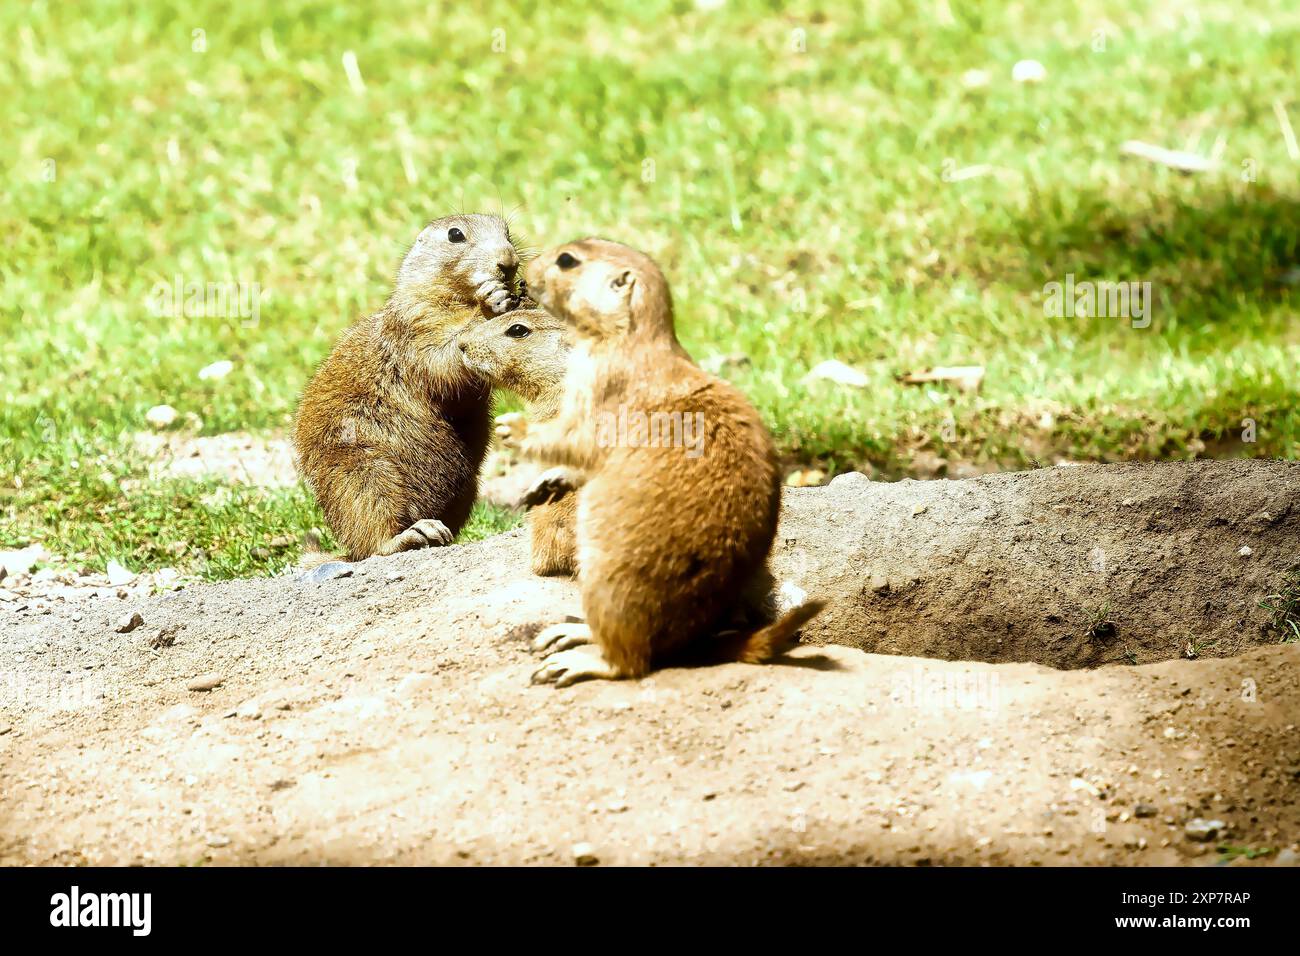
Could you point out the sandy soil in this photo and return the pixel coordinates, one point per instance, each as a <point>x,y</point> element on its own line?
<point>387,716</point>
<point>237,457</point>
<point>1066,566</point>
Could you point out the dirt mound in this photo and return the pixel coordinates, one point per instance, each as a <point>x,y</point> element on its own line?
<point>386,716</point>
<point>1068,566</point>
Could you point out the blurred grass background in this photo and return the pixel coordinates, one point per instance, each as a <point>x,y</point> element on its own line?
<point>788,164</point>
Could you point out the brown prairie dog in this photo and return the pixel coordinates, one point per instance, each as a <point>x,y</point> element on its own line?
<point>527,352</point>
<point>678,484</point>
<point>393,428</point>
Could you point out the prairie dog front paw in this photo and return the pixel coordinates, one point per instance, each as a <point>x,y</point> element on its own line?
<point>526,300</point>
<point>511,429</point>
<point>550,485</point>
<point>493,293</point>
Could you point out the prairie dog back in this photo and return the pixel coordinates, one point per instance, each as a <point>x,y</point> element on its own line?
<point>679,487</point>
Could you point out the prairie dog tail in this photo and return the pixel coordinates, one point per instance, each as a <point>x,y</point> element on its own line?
<point>771,641</point>
<point>314,553</point>
<point>314,559</point>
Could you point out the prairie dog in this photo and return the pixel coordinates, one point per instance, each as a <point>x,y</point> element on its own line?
<point>527,352</point>
<point>678,483</point>
<point>393,427</point>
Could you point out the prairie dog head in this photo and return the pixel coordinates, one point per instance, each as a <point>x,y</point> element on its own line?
<point>606,289</point>
<point>525,351</point>
<point>463,260</point>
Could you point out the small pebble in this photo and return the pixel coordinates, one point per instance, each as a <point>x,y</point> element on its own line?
<point>167,578</point>
<point>160,416</point>
<point>1245,551</point>
<point>806,478</point>
<point>1029,71</point>
<point>205,682</point>
<point>129,622</point>
<point>1200,830</point>
<point>326,572</point>
<point>118,575</point>
<point>584,854</point>
<point>217,370</point>
<point>849,478</point>
<point>166,637</point>
<point>1145,810</point>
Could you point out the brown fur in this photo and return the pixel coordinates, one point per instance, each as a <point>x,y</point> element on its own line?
<point>392,428</point>
<point>552,538</point>
<point>667,543</point>
<point>532,366</point>
<point>772,640</point>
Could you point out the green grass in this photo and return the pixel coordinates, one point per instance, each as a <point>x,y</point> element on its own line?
<point>799,204</point>
<point>1228,852</point>
<point>1283,608</point>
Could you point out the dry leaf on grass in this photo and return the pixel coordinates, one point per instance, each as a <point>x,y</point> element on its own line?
<point>836,371</point>
<point>1173,158</point>
<point>966,377</point>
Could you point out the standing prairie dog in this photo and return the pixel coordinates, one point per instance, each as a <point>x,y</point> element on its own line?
<point>392,429</point>
<point>527,352</point>
<point>678,484</point>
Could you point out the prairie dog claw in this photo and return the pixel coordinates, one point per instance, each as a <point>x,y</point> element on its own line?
<point>561,637</point>
<point>549,485</point>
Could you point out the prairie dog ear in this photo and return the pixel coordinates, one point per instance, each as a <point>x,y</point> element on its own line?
<point>624,281</point>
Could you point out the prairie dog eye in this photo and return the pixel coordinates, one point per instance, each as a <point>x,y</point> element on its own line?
<point>518,331</point>
<point>566,261</point>
<point>455,235</point>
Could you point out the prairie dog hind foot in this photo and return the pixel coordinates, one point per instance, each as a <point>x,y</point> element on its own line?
<point>561,637</point>
<point>580,663</point>
<point>426,533</point>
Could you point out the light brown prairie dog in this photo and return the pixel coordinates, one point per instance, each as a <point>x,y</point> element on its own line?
<point>527,352</point>
<point>678,484</point>
<point>393,427</point>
